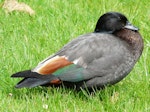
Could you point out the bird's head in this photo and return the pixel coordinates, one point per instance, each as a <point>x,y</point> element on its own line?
<point>113,21</point>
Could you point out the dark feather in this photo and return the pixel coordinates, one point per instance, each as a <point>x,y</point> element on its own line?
<point>33,79</point>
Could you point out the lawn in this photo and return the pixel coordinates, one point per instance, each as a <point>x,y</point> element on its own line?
<point>26,40</point>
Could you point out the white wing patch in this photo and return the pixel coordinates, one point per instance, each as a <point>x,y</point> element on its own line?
<point>80,61</point>
<point>76,61</point>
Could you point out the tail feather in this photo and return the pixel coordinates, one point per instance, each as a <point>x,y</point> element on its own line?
<point>26,73</point>
<point>33,79</point>
<point>31,82</point>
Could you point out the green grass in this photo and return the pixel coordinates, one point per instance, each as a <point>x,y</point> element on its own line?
<point>25,40</point>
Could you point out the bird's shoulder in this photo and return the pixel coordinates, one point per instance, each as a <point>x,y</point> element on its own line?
<point>93,45</point>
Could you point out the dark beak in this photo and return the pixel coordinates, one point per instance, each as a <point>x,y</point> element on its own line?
<point>131,27</point>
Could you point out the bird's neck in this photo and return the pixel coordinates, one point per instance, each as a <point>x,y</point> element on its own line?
<point>133,38</point>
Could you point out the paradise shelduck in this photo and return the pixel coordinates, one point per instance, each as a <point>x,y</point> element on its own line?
<point>94,60</point>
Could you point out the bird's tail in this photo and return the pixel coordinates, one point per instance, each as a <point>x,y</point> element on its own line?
<point>33,79</point>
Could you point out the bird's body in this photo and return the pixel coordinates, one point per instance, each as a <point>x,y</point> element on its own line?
<point>101,58</point>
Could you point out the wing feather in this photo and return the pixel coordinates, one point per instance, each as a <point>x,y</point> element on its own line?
<point>86,51</point>
<point>51,65</point>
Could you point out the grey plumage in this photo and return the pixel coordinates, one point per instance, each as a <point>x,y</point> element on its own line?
<point>105,58</point>
<point>96,59</point>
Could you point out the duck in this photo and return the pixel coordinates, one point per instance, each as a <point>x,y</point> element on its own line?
<point>94,60</point>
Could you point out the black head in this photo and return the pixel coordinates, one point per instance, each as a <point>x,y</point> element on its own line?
<point>113,21</point>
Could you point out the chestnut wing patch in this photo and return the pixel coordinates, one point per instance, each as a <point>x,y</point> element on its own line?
<point>51,65</point>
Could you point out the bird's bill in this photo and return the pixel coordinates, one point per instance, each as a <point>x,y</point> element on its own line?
<point>131,27</point>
